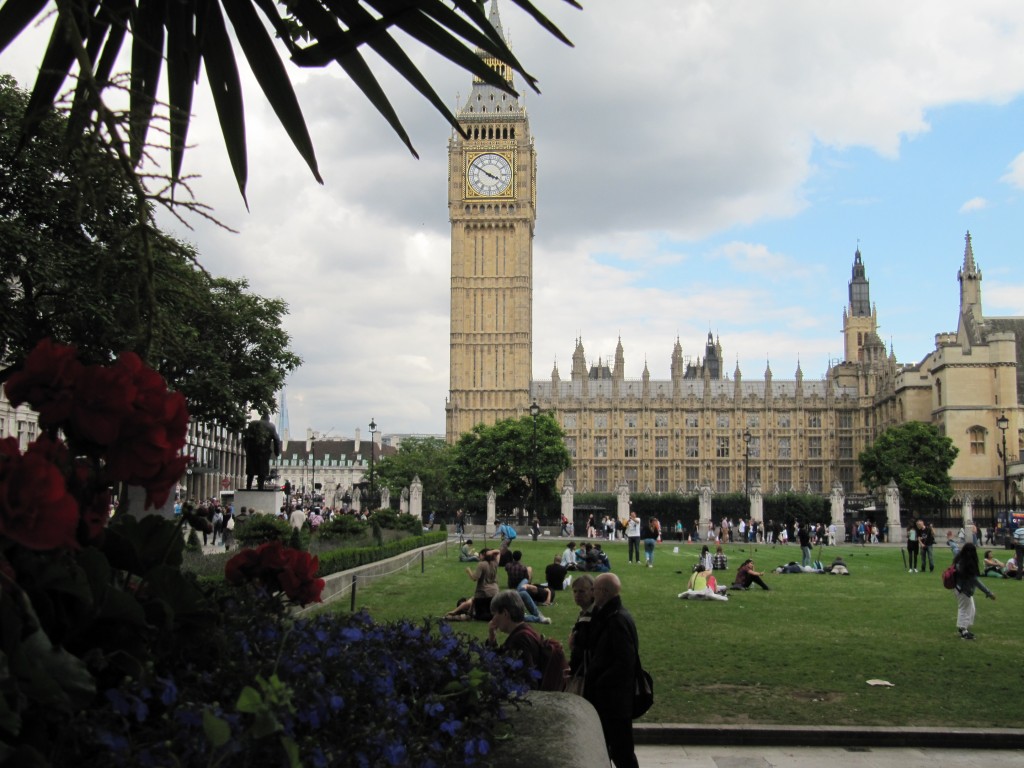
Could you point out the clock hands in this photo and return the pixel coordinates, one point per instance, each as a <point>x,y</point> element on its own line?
<point>485,171</point>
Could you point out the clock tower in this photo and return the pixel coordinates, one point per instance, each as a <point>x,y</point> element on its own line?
<point>492,205</point>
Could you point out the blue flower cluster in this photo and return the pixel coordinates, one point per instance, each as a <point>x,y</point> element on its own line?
<point>332,690</point>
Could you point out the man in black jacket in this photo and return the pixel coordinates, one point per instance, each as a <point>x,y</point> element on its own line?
<point>612,654</point>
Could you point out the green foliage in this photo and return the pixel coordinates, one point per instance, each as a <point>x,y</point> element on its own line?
<point>506,455</point>
<point>430,459</point>
<point>81,268</point>
<point>918,457</point>
<point>186,38</point>
<point>259,528</point>
<point>342,527</point>
<point>396,521</point>
<point>786,508</point>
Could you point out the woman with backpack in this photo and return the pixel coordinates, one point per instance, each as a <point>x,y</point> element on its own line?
<point>967,579</point>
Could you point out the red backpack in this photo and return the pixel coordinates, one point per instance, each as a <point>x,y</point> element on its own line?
<point>551,662</point>
<point>949,577</point>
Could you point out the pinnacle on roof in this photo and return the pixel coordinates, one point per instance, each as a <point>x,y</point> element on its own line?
<point>969,265</point>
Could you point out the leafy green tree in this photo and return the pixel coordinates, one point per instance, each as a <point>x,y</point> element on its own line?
<point>506,455</point>
<point>430,459</point>
<point>74,267</point>
<point>918,457</point>
<point>182,37</point>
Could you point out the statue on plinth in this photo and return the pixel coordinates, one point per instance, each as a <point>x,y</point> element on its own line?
<point>260,441</point>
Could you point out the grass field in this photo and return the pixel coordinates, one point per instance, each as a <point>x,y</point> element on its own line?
<point>799,654</point>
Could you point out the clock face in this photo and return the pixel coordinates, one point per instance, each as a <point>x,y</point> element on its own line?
<point>489,174</point>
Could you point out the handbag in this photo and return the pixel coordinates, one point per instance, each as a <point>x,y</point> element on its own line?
<point>643,691</point>
<point>574,685</point>
<point>230,524</point>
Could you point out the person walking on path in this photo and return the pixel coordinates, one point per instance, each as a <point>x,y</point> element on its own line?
<point>611,658</point>
<point>968,572</point>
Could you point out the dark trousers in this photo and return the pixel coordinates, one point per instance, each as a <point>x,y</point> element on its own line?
<point>618,738</point>
<point>634,546</point>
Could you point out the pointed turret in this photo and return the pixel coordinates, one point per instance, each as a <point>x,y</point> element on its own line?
<point>579,362</point>
<point>555,378</point>
<point>970,279</point>
<point>619,371</point>
<point>860,301</point>
<point>647,381</point>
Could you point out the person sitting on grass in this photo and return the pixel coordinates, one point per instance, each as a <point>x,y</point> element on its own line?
<point>486,577</point>
<point>746,575</point>
<point>993,565</point>
<point>1011,568</point>
<point>557,575</point>
<point>466,552</point>
<point>702,586</point>
<point>569,557</point>
<point>517,570</point>
<point>719,562</point>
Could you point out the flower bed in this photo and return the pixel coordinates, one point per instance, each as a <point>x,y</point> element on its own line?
<point>110,654</point>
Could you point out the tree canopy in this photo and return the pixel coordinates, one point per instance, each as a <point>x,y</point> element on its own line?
<point>430,459</point>
<point>505,456</point>
<point>180,38</point>
<point>917,456</point>
<point>74,267</point>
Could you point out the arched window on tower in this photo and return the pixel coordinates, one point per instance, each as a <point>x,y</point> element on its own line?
<point>976,435</point>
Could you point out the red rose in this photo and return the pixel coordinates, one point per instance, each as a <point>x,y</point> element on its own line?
<point>46,382</point>
<point>242,567</point>
<point>36,509</point>
<point>96,515</point>
<point>103,400</point>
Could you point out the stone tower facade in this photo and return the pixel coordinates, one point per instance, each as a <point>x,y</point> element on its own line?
<point>492,205</point>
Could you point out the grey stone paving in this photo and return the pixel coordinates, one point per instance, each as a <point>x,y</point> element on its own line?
<point>824,757</point>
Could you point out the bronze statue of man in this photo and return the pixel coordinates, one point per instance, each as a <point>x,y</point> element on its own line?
<point>260,442</point>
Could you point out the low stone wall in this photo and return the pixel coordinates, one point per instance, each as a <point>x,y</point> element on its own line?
<point>338,585</point>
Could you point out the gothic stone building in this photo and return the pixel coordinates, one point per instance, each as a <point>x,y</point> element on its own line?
<point>698,426</point>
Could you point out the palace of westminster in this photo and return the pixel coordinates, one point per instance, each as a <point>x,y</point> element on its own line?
<point>698,427</point>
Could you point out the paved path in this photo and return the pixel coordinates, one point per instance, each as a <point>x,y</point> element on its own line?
<point>651,756</point>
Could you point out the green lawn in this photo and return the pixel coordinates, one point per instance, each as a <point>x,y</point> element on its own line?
<point>799,654</point>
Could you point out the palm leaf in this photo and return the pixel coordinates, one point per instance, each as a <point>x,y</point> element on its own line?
<point>219,57</point>
<point>147,50</point>
<point>271,75</point>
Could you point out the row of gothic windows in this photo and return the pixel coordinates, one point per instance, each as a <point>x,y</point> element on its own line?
<point>724,480</point>
<point>783,420</point>
<point>723,447</point>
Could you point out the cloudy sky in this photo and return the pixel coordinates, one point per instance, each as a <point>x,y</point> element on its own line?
<point>702,166</point>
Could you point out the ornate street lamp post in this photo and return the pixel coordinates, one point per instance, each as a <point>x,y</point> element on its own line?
<point>373,432</point>
<point>1003,423</point>
<point>534,412</point>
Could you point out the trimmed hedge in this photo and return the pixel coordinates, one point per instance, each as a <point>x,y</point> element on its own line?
<point>338,560</point>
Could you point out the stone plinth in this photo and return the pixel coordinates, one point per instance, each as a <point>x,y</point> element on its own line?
<point>552,730</point>
<point>258,501</point>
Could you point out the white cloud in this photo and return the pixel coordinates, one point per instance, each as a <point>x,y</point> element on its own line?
<point>1015,175</point>
<point>974,204</point>
<point>668,129</point>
